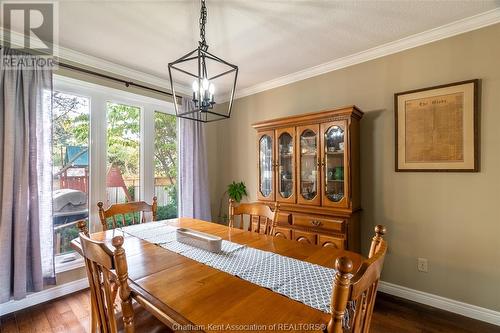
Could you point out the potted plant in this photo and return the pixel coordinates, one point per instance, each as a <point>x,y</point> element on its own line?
<point>235,191</point>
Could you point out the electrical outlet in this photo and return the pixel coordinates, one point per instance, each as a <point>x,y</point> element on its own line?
<point>422,265</point>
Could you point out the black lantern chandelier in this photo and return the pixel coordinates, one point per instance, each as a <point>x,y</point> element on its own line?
<point>206,72</point>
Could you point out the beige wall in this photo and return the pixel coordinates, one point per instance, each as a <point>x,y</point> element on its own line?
<point>450,218</point>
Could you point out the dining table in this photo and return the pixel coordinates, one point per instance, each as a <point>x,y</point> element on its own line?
<point>191,296</point>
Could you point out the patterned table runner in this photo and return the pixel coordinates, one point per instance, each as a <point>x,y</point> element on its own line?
<point>305,282</point>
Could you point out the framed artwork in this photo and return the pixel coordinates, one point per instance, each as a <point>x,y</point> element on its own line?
<point>437,128</point>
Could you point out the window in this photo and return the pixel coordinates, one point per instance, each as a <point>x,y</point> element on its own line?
<point>165,163</point>
<point>110,146</point>
<point>70,171</point>
<point>123,153</point>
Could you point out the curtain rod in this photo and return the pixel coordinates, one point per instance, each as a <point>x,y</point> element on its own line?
<point>112,78</point>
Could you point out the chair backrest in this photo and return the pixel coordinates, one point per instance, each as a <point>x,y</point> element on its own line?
<point>353,296</point>
<point>261,218</point>
<point>101,264</point>
<point>134,210</point>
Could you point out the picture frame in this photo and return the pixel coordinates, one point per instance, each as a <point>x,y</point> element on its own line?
<point>437,128</point>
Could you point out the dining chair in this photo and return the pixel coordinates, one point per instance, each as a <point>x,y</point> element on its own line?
<point>82,227</point>
<point>130,209</point>
<point>353,295</point>
<point>261,218</point>
<point>102,265</point>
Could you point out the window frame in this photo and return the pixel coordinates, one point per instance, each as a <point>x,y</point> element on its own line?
<point>98,97</point>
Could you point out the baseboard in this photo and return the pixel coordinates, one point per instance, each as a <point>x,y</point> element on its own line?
<point>443,303</point>
<point>43,296</point>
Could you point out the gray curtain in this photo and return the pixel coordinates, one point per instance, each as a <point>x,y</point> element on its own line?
<point>194,195</point>
<point>26,251</point>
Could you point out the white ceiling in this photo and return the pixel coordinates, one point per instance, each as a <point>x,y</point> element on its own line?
<point>266,39</point>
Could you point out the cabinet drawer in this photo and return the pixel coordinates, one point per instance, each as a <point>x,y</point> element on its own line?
<point>304,236</point>
<point>283,232</point>
<point>284,218</point>
<point>337,225</point>
<point>327,241</point>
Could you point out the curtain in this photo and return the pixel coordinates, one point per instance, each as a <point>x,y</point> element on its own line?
<point>26,241</point>
<point>194,196</point>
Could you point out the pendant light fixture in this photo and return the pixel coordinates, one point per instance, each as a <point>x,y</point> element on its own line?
<point>206,74</point>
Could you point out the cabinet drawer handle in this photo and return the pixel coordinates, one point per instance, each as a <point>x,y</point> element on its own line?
<point>316,223</point>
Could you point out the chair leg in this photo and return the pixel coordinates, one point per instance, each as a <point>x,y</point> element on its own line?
<point>94,326</point>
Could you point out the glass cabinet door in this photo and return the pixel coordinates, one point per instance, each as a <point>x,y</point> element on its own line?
<point>266,166</point>
<point>308,161</point>
<point>286,165</point>
<point>334,164</point>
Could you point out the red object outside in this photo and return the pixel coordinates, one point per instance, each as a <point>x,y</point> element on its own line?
<point>80,183</point>
<point>114,178</point>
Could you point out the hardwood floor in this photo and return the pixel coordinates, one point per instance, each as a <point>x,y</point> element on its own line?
<point>71,314</point>
<point>66,314</point>
<point>394,314</point>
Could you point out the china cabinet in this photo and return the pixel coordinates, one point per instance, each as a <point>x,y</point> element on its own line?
<point>310,164</point>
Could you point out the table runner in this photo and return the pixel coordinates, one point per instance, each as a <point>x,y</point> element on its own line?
<point>305,282</point>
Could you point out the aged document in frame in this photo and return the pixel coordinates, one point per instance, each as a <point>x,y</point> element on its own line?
<point>434,129</point>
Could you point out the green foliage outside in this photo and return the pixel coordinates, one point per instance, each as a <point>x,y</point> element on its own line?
<point>166,146</point>
<point>67,235</point>
<point>129,218</point>
<point>123,136</point>
<point>170,210</point>
<point>131,191</point>
<point>70,124</point>
<point>165,159</point>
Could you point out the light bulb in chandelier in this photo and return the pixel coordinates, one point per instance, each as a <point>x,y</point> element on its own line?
<point>205,83</point>
<point>195,90</point>
<point>211,90</point>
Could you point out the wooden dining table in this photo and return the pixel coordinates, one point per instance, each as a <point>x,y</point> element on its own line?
<point>201,298</point>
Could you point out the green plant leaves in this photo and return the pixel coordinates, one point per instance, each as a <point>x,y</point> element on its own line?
<point>237,191</point>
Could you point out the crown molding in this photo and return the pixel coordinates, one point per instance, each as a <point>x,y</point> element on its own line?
<point>452,29</point>
<point>66,54</point>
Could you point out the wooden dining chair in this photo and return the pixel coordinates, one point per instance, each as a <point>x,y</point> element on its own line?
<point>82,227</point>
<point>261,218</point>
<point>353,295</point>
<point>102,266</point>
<point>136,210</point>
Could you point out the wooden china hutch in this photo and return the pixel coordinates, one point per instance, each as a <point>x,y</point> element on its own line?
<point>310,165</point>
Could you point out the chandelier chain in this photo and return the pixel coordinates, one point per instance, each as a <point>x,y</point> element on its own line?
<point>203,21</point>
